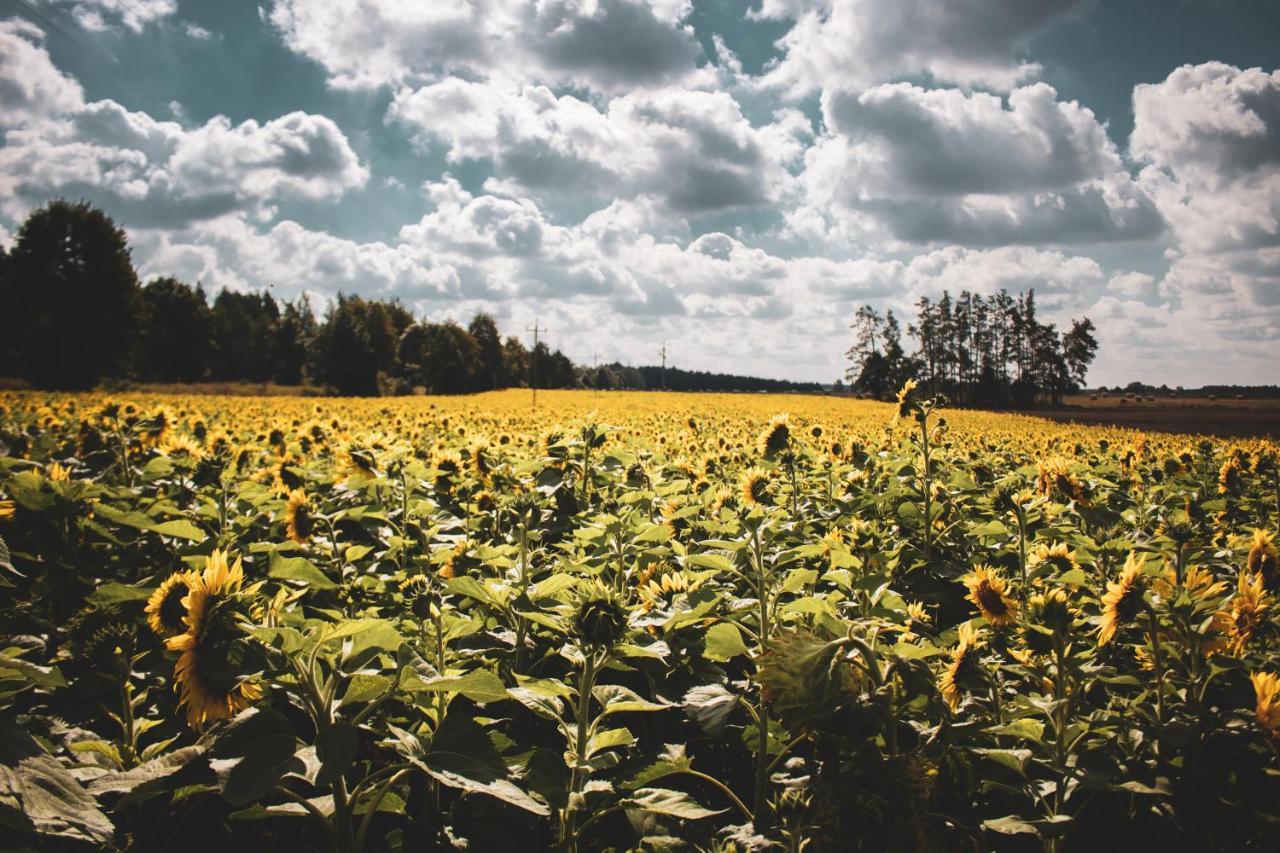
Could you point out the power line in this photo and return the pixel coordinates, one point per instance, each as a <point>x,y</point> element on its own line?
<point>533,361</point>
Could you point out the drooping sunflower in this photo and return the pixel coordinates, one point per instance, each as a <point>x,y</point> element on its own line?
<point>963,673</point>
<point>776,437</point>
<point>661,590</point>
<point>421,596</point>
<point>165,609</point>
<point>1046,620</point>
<point>211,669</point>
<point>1123,598</point>
<point>756,488</point>
<point>299,523</point>
<point>1266,689</point>
<point>988,592</point>
<point>599,620</point>
<point>1263,558</point>
<point>1243,614</point>
<point>1056,560</point>
<point>905,397</point>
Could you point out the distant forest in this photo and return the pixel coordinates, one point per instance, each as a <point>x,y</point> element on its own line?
<point>72,314</point>
<point>973,349</point>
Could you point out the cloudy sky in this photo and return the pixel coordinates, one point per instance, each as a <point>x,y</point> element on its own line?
<point>732,177</point>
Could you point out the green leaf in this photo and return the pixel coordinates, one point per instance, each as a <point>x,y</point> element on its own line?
<point>724,642</point>
<point>717,562</point>
<point>336,748</point>
<point>671,762</point>
<point>617,699</point>
<point>180,529</point>
<point>710,706</point>
<point>298,569</point>
<point>482,685</point>
<point>159,768</point>
<point>1025,728</point>
<point>462,756</point>
<point>253,753</point>
<point>44,796</point>
<point>608,739</point>
<point>668,802</point>
<point>44,677</point>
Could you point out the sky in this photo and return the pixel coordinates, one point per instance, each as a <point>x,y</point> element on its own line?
<point>732,178</point>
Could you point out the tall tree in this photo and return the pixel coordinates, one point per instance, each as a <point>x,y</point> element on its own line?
<point>72,302</point>
<point>295,330</point>
<point>244,336</point>
<point>439,357</point>
<point>177,332</point>
<point>488,370</point>
<point>356,344</point>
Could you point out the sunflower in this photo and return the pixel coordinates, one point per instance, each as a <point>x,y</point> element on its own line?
<point>421,595</point>
<point>1263,558</point>
<point>298,521</point>
<point>904,397</point>
<point>213,650</point>
<point>1241,617</point>
<point>662,590</point>
<point>963,671</point>
<point>987,592</point>
<point>1057,559</point>
<point>1047,619</point>
<point>7,510</point>
<point>776,437</point>
<point>1266,688</point>
<point>165,609</point>
<point>755,488</point>
<point>600,620</point>
<point>57,474</point>
<point>1123,598</point>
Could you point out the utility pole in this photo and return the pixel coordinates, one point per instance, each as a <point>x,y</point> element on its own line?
<point>533,361</point>
<point>595,372</point>
<point>664,365</point>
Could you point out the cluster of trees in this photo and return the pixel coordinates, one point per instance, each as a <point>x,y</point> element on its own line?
<point>72,313</point>
<point>620,376</point>
<point>975,349</point>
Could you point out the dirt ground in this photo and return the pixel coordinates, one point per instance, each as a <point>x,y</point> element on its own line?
<point>1223,417</point>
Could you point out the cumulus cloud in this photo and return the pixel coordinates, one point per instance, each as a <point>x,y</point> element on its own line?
<point>852,44</point>
<point>134,15</point>
<point>604,44</point>
<point>692,149</point>
<point>158,172</point>
<point>944,165</point>
<point>31,88</point>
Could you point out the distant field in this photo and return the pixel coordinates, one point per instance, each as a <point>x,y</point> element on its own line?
<point>1223,417</point>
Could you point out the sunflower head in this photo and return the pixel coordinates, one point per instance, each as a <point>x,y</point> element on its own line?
<point>110,649</point>
<point>1244,614</point>
<point>659,590</point>
<point>1266,689</point>
<point>805,679</point>
<point>600,620</point>
<point>988,592</point>
<point>1123,599</point>
<point>963,673</point>
<point>217,659</point>
<point>1046,621</point>
<point>906,397</point>
<point>1263,559</point>
<point>299,523</point>
<point>776,438</point>
<point>166,608</point>
<point>421,596</point>
<point>1052,560</point>
<point>756,488</point>
<point>7,510</point>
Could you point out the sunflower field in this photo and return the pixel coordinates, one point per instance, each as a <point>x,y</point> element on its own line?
<point>630,621</point>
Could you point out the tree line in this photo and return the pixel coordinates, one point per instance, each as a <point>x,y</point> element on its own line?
<point>72,313</point>
<point>975,349</point>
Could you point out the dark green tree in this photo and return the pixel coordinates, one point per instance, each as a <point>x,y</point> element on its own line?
<point>244,336</point>
<point>294,333</point>
<point>177,331</point>
<point>71,304</point>
<point>441,357</point>
<point>488,370</point>
<point>356,343</point>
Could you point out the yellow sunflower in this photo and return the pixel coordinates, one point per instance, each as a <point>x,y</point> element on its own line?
<point>1058,559</point>
<point>209,669</point>
<point>1240,617</point>
<point>963,671</point>
<point>755,488</point>
<point>1263,559</point>
<point>299,524</point>
<point>1266,688</point>
<point>987,590</point>
<point>165,609</point>
<point>661,591</point>
<point>776,437</point>
<point>7,510</point>
<point>1123,598</point>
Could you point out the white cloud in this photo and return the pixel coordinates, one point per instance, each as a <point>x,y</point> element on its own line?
<point>153,172</point>
<point>31,88</point>
<point>852,44</point>
<point>943,165</point>
<point>602,44</point>
<point>694,150</point>
<point>134,15</point>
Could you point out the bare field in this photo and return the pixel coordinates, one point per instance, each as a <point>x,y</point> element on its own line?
<point>1222,417</point>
